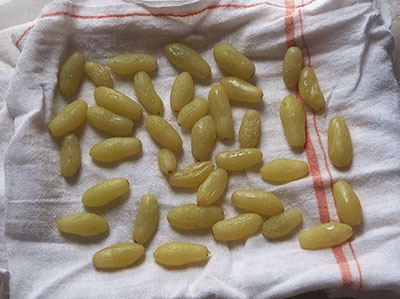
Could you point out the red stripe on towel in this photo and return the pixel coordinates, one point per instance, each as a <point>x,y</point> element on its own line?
<point>140,14</point>
<point>324,151</point>
<point>312,158</point>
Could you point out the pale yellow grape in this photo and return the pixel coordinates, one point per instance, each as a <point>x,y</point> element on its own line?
<point>131,63</point>
<point>166,161</point>
<point>191,217</point>
<point>117,102</point>
<point>240,90</point>
<point>310,91</point>
<point>340,148</point>
<point>240,159</point>
<point>146,219</point>
<point>257,201</point>
<point>282,224</point>
<point>213,187</point>
<point>108,121</point>
<point>325,235</point>
<point>187,59</point>
<point>347,203</point>
<point>162,132</point>
<point>181,91</point>
<point>236,228</point>
<point>293,121</point>
<point>249,132</point>
<point>180,253</point>
<point>83,224</point>
<point>192,175</point>
<point>203,137</point>
<point>99,74</point>
<point>70,74</point>
<point>146,93</point>
<point>192,112</point>
<point>292,65</point>
<point>284,170</point>
<point>71,117</point>
<point>119,255</point>
<point>115,149</point>
<point>233,62</point>
<point>105,192</point>
<point>220,111</point>
<point>70,155</point>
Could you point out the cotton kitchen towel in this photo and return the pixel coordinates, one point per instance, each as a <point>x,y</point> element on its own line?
<point>347,45</point>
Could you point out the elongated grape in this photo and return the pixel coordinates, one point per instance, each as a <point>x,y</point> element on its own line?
<point>146,93</point>
<point>203,138</point>
<point>181,91</point>
<point>192,112</point>
<point>220,111</point>
<point>166,161</point>
<point>187,59</point>
<point>117,102</point>
<point>284,170</point>
<point>292,65</point>
<point>340,148</point>
<point>115,149</point>
<point>108,121</point>
<point>240,90</point>
<point>347,203</point>
<point>70,74</point>
<point>257,201</point>
<point>70,155</point>
<point>293,121</point>
<point>233,62</point>
<point>83,224</point>
<point>146,219</point>
<point>249,132</point>
<point>131,63</point>
<point>99,74</point>
<point>213,187</point>
<point>192,175</point>
<point>239,159</point>
<point>325,235</point>
<point>180,253</point>
<point>310,91</point>
<point>162,132</point>
<point>119,255</point>
<point>236,228</point>
<point>191,217</point>
<point>282,224</point>
<point>105,192</point>
<point>71,117</point>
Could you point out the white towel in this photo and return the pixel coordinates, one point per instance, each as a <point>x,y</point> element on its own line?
<point>8,59</point>
<point>348,46</point>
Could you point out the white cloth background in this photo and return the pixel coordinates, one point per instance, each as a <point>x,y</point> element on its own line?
<point>9,55</point>
<point>350,53</point>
